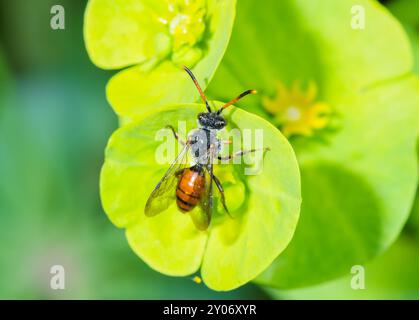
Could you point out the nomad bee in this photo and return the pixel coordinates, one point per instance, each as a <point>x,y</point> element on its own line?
<point>191,186</point>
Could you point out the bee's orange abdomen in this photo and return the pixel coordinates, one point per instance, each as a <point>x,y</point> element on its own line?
<point>190,189</point>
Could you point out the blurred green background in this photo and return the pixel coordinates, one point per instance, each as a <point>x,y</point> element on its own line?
<point>54,124</point>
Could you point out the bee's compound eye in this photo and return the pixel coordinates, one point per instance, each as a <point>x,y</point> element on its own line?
<point>202,118</point>
<point>220,123</point>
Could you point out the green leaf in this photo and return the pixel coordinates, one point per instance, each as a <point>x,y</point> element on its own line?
<point>232,251</point>
<point>414,215</point>
<point>413,221</point>
<point>359,176</point>
<point>307,45</point>
<point>120,33</point>
<point>129,33</point>
<point>391,276</point>
<point>407,13</point>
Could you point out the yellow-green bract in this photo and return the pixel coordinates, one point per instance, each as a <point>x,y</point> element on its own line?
<point>154,39</point>
<point>392,275</point>
<point>359,179</point>
<point>407,12</point>
<point>233,251</point>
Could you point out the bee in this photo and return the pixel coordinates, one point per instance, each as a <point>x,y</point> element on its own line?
<point>192,186</point>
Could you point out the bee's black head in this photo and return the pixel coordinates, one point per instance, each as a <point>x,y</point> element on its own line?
<point>211,120</point>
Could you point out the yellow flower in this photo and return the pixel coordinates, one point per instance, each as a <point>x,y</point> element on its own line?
<point>185,22</point>
<point>296,111</point>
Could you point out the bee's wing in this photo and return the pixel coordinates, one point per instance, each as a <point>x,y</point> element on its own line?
<point>165,191</point>
<point>201,215</point>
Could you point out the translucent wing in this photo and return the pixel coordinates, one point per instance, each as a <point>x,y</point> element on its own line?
<point>201,215</point>
<point>164,193</point>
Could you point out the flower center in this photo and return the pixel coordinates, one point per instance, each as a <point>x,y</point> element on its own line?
<point>179,24</point>
<point>296,111</point>
<point>293,113</point>
<point>185,20</point>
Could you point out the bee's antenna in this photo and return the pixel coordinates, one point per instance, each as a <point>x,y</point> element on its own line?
<point>204,98</point>
<point>236,99</point>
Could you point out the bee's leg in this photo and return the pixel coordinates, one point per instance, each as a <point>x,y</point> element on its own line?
<point>175,134</point>
<point>240,153</point>
<point>220,188</point>
<point>227,142</point>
